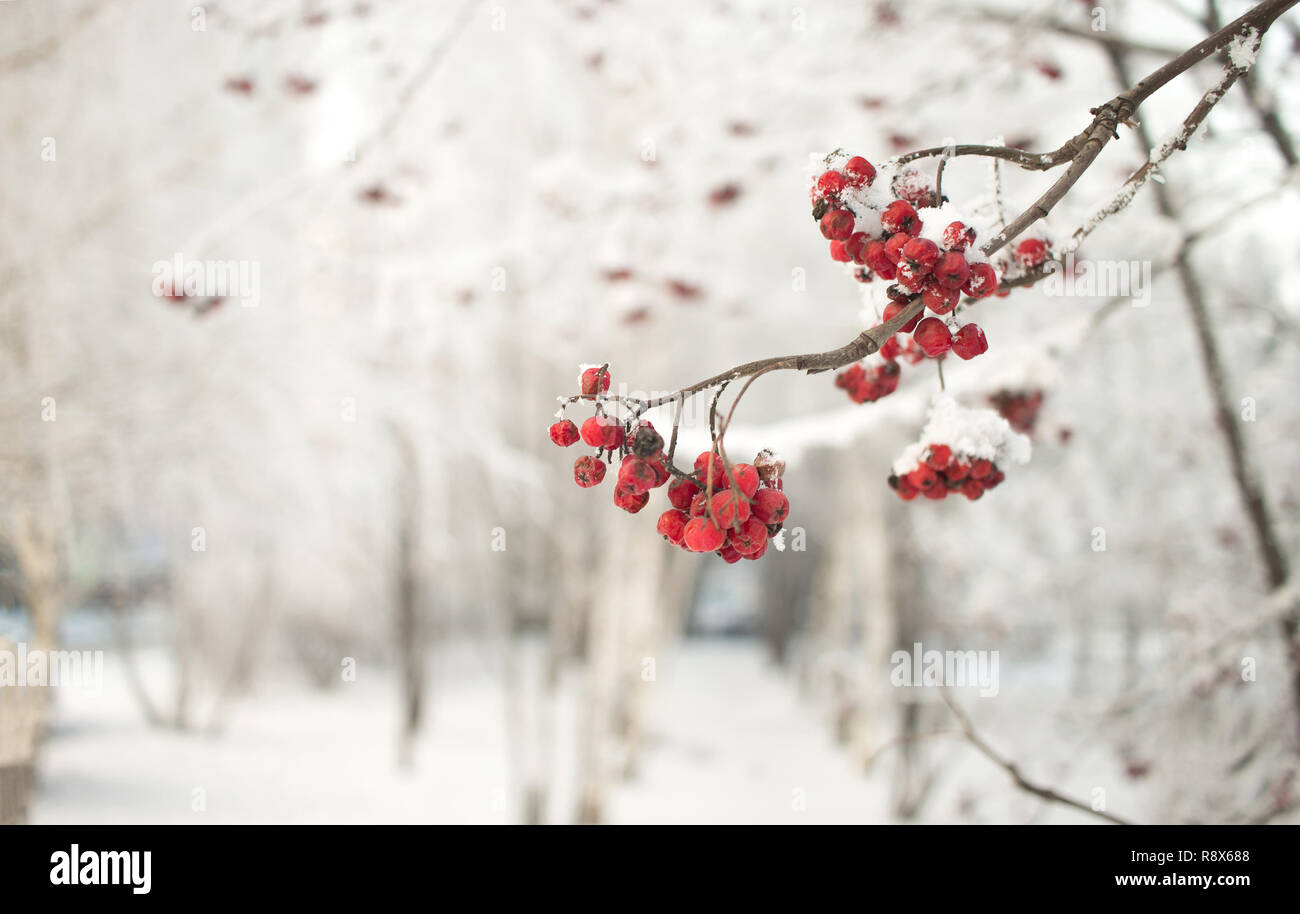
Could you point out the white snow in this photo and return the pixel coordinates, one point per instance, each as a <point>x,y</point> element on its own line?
<point>970,432</point>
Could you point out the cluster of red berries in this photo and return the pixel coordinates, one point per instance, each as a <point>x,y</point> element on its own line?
<point>640,446</point>
<point>940,472</point>
<point>731,511</point>
<point>896,251</point>
<point>745,510</point>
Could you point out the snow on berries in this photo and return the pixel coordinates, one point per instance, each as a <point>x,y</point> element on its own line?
<point>961,450</point>
<point>899,231</point>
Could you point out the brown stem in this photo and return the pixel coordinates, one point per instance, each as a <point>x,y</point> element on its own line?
<point>1081,151</point>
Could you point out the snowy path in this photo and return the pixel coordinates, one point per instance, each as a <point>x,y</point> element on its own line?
<point>728,742</point>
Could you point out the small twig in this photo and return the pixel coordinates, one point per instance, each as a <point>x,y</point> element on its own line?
<point>1011,768</point>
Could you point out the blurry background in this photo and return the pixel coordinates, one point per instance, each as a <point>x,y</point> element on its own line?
<point>337,570</point>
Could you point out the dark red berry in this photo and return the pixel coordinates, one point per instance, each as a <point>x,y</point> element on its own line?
<point>969,342</point>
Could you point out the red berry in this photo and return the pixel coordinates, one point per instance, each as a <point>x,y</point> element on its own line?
<point>588,471</point>
<point>904,487</point>
<point>746,479</point>
<point>952,270</point>
<point>933,336</point>
<point>894,308</point>
<point>837,225</point>
<point>970,342</point>
<point>564,432</point>
<point>938,492</point>
<point>957,236</point>
<point>982,281</point>
<point>957,471</point>
<point>629,499</point>
<point>597,431</point>
<point>893,249</point>
<point>908,278</point>
<point>858,171</point>
<point>672,524</point>
<point>661,471</point>
<point>940,455</point>
<point>839,253</point>
<point>751,536</point>
<point>728,510</point>
<point>900,216</point>
<point>874,257</point>
<point>830,184</point>
<point>922,478</point>
<point>680,493</point>
<point>771,506</point>
<point>890,349</point>
<point>757,553</point>
<point>938,299</point>
<point>920,255</point>
<point>702,535</point>
<point>972,489</point>
<point>856,246</point>
<point>702,469</point>
<point>994,477</point>
<point>698,505</point>
<point>1031,252</point>
<point>980,468</point>
<point>729,554</point>
<point>636,474</point>
<point>588,382</point>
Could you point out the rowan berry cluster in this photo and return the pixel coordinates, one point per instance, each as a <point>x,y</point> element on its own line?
<point>941,472</point>
<point>961,450</point>
<point>731,510</point>
<point>884,234</point>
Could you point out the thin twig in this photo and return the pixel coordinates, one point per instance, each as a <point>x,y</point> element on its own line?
<point>1011,768</point>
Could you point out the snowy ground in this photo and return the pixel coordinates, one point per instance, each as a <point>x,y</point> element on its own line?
<point>296,755</point>
<point>730,740</point>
